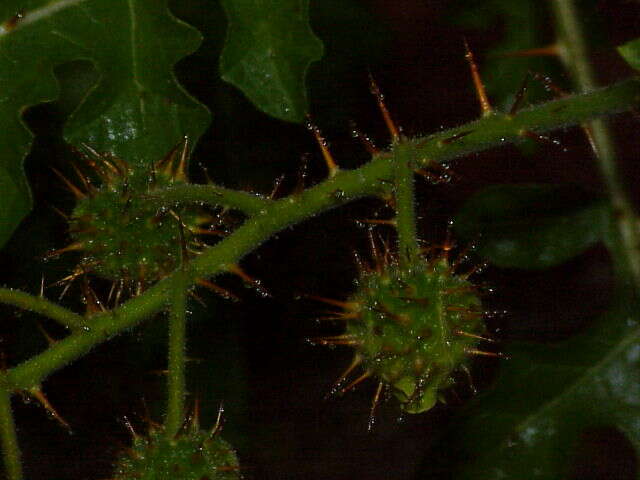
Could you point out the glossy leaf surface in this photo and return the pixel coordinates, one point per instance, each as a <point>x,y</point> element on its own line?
<point>136,110</point>
<point>550,399</point>
<point>531,226</point>
<point>268,49</point>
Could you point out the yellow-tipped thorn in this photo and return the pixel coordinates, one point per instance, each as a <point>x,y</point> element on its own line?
<point>475,269</point>
<point>198,299</point>
<point>69,248</point>
<point>83,178</point>
<point>473,335</point>
<point>592,142</point>
<point>181,169</point>
<point>353,306</point>
<point>223,292</point>
<point>364,139</point>
<point>79,194</point>
<point>194,420</point>
<point>356,382</point>
<point>50,340</point>
<point>391,222</point>
<point>166,164</point>
<point>61,213</point>
<point>219,420</point>
<point>375,253</point>
<point>127,423</point>
<point>357,360</point>
<point>391,126</point>
<point>38,395</point>
<point>374,405</point>
<point>332,166</point>
<point>235,269</point>
<point>429,176</point>
<point>481,353</point>
<point>485,106</point>
<point>276,187</point>
<point>347,340</point>
<point>339,316</point>
<point>92,302</point>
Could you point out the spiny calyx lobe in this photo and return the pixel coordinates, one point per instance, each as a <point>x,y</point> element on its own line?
<point>192,455</point>
<point>413,328</point>
<point>123,237</point>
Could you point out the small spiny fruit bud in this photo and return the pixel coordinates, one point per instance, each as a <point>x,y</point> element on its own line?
<point>413,328</point>
<point>192,455</point>
<point>123,237</point>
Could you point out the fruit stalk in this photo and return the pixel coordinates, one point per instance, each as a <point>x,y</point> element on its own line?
<point>10,448</point>
<point>345,186</point>
<point>176,382</point>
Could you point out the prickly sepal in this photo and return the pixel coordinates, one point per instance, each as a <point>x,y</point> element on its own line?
<point>193,455</point>
<point>121,236</point>
<point>413,328</point>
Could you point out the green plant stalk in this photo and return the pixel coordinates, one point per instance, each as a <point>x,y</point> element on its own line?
<point>8,437</point>
<point>246,202</point>
<point>44,307</point>
<point>176,383</point>
<point>404,187</point>
<point>573,52</point>
<point>345,186</point>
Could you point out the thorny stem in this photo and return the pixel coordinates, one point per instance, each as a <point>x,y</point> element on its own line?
<point>408,248</point>
<point>176,382</point>
<point>8,437</point>
<point>573,52</point>
<point>345,186</point>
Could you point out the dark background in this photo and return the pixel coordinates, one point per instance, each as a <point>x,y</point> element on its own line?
<point>253,355</point>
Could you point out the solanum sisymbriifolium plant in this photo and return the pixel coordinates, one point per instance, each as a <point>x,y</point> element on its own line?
<point>213,226</point>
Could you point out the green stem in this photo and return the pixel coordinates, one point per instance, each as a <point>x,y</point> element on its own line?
<point>44,307</point>
<point>8,437</point>
<point>248,203</point>
<point>408,249</point>
<point>176,382</point>
<point>345,186</point>
<point>32,372</point>
<point>574,54</point>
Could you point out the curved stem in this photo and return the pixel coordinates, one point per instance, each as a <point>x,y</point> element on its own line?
<point>345,186</point>
<point>44,307</point>
<point>8,437</point>
<point>573,52</point>
<point>248,203</point>
<point>176,382</point>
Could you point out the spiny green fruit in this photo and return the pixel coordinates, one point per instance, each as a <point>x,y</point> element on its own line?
<point>192,455</point>
<point>412,329</point>
<point>123,237</point>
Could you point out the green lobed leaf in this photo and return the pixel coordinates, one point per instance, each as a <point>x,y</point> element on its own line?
<point>531,226</point>
<point>549,398</point>
<point>268,49</point>
<point>630,51</point>
<point>137,110</point>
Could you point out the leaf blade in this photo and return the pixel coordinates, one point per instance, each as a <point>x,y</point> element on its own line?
<point>52,33</point>
<point>268,49</point>
<point>546,397</point>
<point>531,226</point>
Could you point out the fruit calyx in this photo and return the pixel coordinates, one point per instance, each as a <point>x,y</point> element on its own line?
<point>412,329</point>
